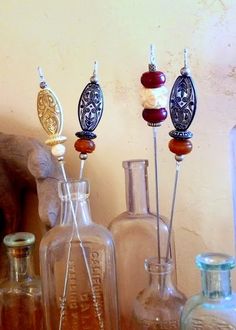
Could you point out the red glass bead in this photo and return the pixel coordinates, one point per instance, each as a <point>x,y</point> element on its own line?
<point>180,147</point>
<point>154,115</point>
<point>84,146</point>
<point>153,79</point>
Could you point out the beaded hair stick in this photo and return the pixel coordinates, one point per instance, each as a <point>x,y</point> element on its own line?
<point>154,100</point>
<point>51,118</point>
<point>182,105</point>
<point>90,110</point>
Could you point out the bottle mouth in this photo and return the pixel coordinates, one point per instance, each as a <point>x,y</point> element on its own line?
<point>135,163</point>
<point>73,190</point>
<point>153,265</point>
<point>19,245</point>
<point>215,261</point>
<point>19,239</point>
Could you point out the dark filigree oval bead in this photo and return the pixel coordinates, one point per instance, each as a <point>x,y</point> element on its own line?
<point>86,135</point>
<point>153,79</point>
<point>90,107</point>
<point>181,135</point>
<point>183,103</point>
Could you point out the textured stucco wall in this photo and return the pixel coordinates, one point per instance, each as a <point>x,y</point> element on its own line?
<point>65,37</point>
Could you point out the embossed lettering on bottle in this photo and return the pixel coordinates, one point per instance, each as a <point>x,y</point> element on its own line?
<point>85,309</point>
<point>210,323</point>
<point>159,325</point>
<point>96,258</point>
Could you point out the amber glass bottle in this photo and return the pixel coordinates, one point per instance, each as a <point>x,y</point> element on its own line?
<point>20,294</point>
<point>135,236</point>
<point>78,272</point>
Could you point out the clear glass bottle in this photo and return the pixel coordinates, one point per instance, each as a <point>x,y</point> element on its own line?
<point>159,305</point>
<point>135,236</point>
<point>20,294</point>
<point>78,272</point>
<point>215,307</point>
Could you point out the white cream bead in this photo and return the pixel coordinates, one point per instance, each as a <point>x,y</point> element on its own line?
<point>154,98</point>
<point>58,150</point>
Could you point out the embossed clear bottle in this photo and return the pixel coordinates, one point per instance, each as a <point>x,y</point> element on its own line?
<point>215,307</point>
<point>20,294</point>
<point>78,273</point>
<point>159,305</point>
<point>135,236</point>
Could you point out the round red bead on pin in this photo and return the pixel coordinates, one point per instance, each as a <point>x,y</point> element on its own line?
<point>153,79</point>
<point>154,115</point>
<point>84,146</point>
<point>180,147</point>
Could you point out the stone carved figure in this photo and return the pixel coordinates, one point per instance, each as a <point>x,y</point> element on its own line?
<point>26,164</point>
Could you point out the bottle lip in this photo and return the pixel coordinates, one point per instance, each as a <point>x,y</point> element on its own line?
<point>134,163</point>
<point>19,239</point>
<point>73,189</point>
<point>215,261</point>
<point>152,265</point>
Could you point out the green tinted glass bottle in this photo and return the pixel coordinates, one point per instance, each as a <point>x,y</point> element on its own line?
<point>215,307</point>
<point>20,293</point>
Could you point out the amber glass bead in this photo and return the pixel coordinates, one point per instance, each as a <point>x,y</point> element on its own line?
<point>153,79</point>
<point>180,147</point>
<point>154,115</point>
<point>84,146</point>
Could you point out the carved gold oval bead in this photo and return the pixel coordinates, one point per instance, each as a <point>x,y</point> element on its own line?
<point>49,112</point>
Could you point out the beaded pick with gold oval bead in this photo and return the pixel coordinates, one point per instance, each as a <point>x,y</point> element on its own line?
<point>50,115</point>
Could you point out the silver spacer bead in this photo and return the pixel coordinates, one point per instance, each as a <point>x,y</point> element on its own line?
<point>154,124</point>
<point>83,156</point>
<point>94,79</point>
<point>60,159</point>
<point>185,71</point>
<point>179,158</point>
<point>152,67</point>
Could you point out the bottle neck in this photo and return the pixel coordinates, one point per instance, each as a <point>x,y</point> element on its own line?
<point>216,283</point>
<point>21,266</point>
<point>75,210</point>
<point>159,275</point>
<point>160,282</point>
<point>136,186</point>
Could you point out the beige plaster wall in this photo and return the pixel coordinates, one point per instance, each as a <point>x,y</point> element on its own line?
<point>65,37</point>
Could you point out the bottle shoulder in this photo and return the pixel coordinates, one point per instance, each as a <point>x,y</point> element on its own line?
<point>30,285</point>
<point>151,302</point>
<point>200,305</point>
<point>126,221</point>
<point>62,234</point>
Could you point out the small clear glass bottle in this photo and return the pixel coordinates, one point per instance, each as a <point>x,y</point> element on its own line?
<point>159,305</point>
<point>78,271</point>
<point>135,236</point>
<point>215,307</point>
<point>20,294</point>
